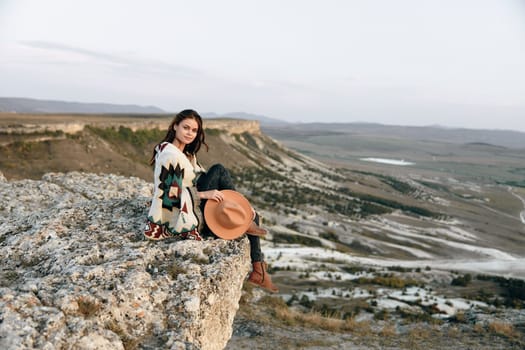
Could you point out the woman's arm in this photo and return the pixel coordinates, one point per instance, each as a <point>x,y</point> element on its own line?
<point>215,195</point>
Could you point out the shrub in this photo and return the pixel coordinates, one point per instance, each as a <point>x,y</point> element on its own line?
<point>296,239</point>
<point>399,269</point>
<point>502,328</point>
<point>397,185</point>
<point>412,316</point>
<point>392,281</point>
<point>357,245</point>
<point>462,281</point>
<point>292,299</point>
<point>382,315</point>
<point>306,302</point>
<point>274,302</point>
<point>353,269</point>
<point>329,235</point>
<point>139,139</point>
<point>250,141</point>
<point>514,288</point>
<point>388,330</point>
<point>213,132</point>
<point>459,317</point>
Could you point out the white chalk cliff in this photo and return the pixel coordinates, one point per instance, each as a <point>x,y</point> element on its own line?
<point>75,272</point>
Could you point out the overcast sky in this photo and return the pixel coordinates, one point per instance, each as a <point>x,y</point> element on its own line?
<point>408,62</point>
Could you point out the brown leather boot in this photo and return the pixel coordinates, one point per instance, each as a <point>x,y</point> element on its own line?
<point>261,278</point>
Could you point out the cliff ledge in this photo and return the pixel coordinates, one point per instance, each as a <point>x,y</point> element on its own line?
<point>76,273</point>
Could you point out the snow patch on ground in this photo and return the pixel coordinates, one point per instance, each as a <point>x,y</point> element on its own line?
<point>334,292</point>
<point>447,307</point>
<point>408,240</point>
<point>415,252</point>
<point>408,298</point>
<point>429,234</point>
<point>311,258</point>
<point>339,276</point>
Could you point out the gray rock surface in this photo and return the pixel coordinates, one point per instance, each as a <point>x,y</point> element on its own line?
<point>75,272</point>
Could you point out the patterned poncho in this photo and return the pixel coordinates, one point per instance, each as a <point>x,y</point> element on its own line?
<point>175,207</point>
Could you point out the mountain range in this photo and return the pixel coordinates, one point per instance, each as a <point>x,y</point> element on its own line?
<point>277,127</point>
<point>29,105</point>
<point>39,106</point>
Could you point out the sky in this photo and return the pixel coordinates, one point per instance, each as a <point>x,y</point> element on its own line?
<point>455,63</point>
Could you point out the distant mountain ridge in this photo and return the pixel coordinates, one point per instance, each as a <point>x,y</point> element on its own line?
<point>30,105</point>
<point>278,128</point>
<point>38,106</point>
<point>504,138</point>
<point>243,115</point>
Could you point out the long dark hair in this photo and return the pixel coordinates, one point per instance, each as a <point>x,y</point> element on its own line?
<point>192,148</point>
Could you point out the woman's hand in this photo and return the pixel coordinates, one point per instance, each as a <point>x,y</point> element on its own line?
<point>215,195</point>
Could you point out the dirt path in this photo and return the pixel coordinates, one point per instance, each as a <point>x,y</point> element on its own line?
<point>522,214</point>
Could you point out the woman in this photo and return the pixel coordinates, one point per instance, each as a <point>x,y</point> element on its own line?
<point>182,187</point>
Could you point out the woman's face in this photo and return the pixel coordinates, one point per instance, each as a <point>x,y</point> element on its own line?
<point>185,131</point>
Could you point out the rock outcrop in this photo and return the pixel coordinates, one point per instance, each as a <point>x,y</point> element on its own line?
<point>30,124</point>
<point>234,126</point>
<point>75,272</point>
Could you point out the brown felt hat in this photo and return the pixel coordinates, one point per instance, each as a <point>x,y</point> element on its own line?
<point>229,218</point>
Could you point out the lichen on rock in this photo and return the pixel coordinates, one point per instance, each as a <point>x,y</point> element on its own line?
<point>76,273</point>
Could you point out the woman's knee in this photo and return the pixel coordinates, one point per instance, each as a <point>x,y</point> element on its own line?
<point>218,167</point>
<point>218,177</point>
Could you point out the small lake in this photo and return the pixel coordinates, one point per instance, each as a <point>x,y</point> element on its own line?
<point>387,161</point>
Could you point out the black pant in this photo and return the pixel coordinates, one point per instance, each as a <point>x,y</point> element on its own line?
<point>218,178</point>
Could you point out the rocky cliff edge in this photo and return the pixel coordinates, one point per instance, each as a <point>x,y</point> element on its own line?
<point>75,272</point>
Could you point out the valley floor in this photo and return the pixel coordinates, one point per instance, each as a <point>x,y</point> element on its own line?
<point>251,334</point>
<point>269,322</point>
